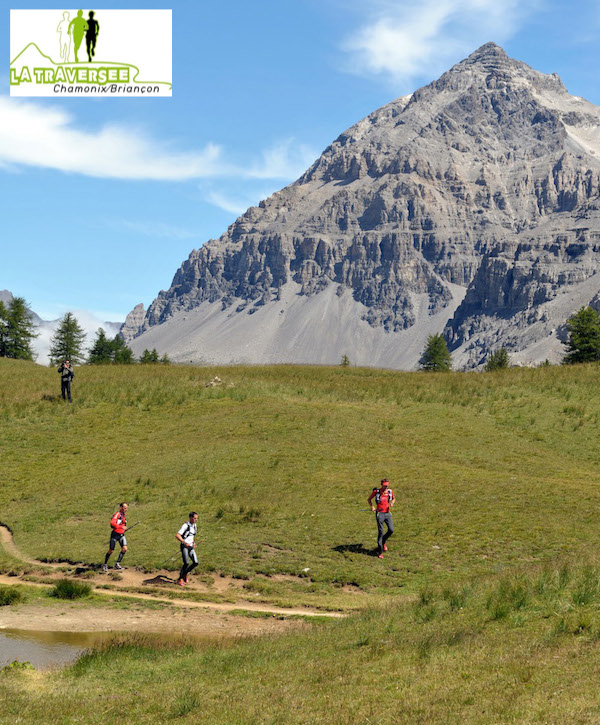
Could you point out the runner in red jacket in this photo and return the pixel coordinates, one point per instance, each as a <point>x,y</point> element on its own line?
<point>118,525</point>
<point>384,501</point>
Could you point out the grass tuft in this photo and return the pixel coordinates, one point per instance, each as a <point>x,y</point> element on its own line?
<point>10,595</point>
<point>69,589</point>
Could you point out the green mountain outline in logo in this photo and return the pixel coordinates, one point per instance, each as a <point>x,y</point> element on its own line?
<point>85,64</point>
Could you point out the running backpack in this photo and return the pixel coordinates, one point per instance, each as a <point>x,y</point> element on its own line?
<point>188,530</point>
<point>378,495</point>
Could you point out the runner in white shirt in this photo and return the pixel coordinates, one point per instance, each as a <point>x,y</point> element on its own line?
<point>186,536</point>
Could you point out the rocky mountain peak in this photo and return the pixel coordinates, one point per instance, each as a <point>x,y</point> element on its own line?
<point>469,206</point>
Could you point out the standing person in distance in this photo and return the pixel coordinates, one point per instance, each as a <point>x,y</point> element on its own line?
<point>66,375</point>
<point>384,501</point>
<point>186,537</point>
<point>118,525</point>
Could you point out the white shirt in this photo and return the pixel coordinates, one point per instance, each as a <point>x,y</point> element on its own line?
<point>188,532</point>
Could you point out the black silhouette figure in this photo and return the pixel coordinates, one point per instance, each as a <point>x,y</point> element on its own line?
<point>91,35</point>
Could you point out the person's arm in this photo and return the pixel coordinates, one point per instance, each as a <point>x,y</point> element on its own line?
<point>392,500</point>
<point>113,521</point>
<point>369,500</point>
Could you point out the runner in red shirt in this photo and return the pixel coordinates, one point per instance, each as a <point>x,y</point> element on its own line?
<point>118,524</point>
<point>384,501</point>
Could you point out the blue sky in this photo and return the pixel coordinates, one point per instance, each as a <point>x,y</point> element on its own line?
<point>259,90</point>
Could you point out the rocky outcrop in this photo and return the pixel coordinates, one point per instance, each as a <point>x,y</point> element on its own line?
<point>133,322</point>
<point>486,179</point>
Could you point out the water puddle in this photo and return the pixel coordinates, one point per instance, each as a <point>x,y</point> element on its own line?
<point>44,649</point>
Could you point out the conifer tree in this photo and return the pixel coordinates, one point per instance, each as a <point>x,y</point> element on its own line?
<point>101,352</point>
<point>3,329</point>
<point>583,344</point>
<point>149,357</point>
<point>17,330</point>
<point>436,355</point>
<point>122,355</point>
<point>498,360</point>
<point>67,341</point>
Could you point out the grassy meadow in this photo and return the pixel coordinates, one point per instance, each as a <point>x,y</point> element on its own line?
<point>486,609</point>
<point>522,648</point>
<point>489,470</point>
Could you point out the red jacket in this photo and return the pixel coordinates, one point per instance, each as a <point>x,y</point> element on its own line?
<point>118,523</point>
<point>383,499</point>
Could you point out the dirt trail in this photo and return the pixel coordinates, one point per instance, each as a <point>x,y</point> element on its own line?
<point>180,617</point>
<point>130,578</point>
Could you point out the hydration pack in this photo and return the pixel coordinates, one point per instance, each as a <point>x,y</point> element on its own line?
<point>378,495</point>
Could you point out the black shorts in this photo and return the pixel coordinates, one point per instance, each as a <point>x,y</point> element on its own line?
<point>117,539</point>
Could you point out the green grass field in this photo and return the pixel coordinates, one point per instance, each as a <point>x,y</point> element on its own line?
<point>496,478</point>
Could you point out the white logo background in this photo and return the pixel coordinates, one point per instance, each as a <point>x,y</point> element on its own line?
<point>142,38</point>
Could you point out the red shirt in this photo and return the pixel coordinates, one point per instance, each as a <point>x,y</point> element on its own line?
<point>118,523</point>
<point>383,498</point>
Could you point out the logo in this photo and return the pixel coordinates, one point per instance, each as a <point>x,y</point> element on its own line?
<point>83,53</point>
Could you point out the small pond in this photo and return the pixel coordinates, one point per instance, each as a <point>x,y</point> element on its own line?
<point>44,649</point>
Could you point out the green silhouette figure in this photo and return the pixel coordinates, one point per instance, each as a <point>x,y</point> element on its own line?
<point>64,37</point>
<point>77,28</point>
<point>91,35</point>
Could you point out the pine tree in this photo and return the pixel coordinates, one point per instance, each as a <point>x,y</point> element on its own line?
<point>165,360</point>
<point>3,329</point>
<point>583,344</point>
<point>149,357</point>
<point>17,330</point>
<point>435,355</point>
<point>101,352</point>
<point>497,360</point>
<point>345,361</point>
<point>122,355</point>
<point>67,342</point>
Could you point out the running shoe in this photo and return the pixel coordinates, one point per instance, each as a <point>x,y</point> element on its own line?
<point>181,583</point>
<point>380,556</point>
<point>104,567</point>
<point>385,547</point>
<point>118,566</point>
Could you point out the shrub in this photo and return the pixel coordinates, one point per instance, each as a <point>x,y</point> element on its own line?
<point>10,595</point>
<point>498,360</point>
<point>67,589</point>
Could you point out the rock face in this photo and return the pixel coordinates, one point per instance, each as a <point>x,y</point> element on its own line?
<point>471,207</point>
<point>133,322</point>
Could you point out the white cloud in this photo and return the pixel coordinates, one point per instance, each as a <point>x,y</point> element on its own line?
<point>158,230</point>
<point>44,136</point>
<point>235,204</point>
<point>89,321</point>
<point>284,160</point>
<point>404,40</point>
<point>36,135</point>
<point>227,203</point>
